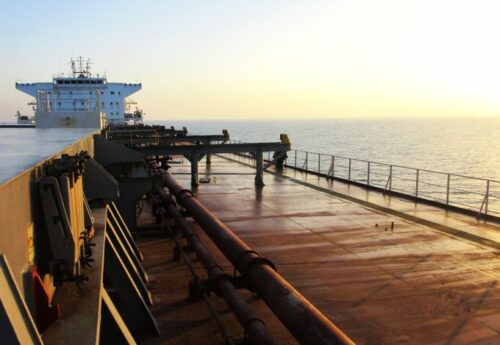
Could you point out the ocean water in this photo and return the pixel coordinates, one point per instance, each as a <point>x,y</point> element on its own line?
<point>459,146</point>
<point>465,146</point>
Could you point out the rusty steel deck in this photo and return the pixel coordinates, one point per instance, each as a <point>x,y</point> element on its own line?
<point>383,278</point>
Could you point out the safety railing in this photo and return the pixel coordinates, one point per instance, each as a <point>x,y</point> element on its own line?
<point>465,192</point>
<point>475,195</point>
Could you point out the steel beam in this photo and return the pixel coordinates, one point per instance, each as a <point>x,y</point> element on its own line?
<point>16,324</point>
<point>126,296</point>
<point>116,217</point>
<point>108,153</point>
<point>155,150</point>
<point>259,165</point>
<point>116,132</point>
<point>194,152</point>
<point>113,329</point>
<point>131,191</point>
<point>169,140</point>
<point>193,159</point>
<point>132,264</point>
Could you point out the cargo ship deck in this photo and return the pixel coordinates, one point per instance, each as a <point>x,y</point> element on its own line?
<point>383,269</point>
<point>354,265</point>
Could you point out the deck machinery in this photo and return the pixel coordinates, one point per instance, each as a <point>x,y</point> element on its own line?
<point>82,280</point>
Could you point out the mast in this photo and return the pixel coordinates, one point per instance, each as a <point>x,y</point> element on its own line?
<point>80,68</point>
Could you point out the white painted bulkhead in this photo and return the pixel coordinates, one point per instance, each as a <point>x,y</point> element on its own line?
<point>82,95</point>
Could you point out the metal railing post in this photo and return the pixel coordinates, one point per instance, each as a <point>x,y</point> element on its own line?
<point>416,183</point>
<point>349,176</point>
<point>485,201</point>
<point>486,197</point>
<point>368,175</point>
<point>484,209</point>
<point>448,190</point>
<point>390,177</point>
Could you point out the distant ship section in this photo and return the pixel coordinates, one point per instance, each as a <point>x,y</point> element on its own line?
<point>25,119</point>
<point>82,100</point>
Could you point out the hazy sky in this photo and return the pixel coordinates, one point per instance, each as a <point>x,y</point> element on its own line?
<point>266,59</point>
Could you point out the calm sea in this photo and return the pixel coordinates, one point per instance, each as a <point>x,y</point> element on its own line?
<point>468,146</point>
<point>461,146</point>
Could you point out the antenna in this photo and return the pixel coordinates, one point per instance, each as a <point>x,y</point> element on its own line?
<point>87,68</point>
<point>80,64</point>
<point>73,67</point>
<point>80,68</point>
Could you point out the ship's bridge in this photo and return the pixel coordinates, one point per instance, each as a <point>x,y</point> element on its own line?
<point>79,81</point>
<point>82,92</point>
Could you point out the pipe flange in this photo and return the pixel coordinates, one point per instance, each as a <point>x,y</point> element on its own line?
<point>240,255</point>
<point>183,194</point>
<point>260,261</point>
<point>249,322</point>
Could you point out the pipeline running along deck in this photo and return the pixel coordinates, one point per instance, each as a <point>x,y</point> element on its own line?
<point>411,284</point>
<point>297,260</point>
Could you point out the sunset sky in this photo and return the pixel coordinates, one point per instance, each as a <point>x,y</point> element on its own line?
<point>266,59</point>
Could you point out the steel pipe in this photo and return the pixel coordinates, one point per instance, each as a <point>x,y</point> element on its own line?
<point>307,324</point>
<point>253,326</point>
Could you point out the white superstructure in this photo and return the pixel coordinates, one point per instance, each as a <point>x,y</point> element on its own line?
<point>82,94</point>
